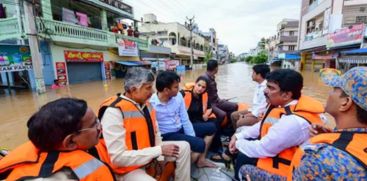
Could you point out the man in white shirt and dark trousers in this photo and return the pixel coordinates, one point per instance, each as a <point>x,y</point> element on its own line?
<point>250,117</point>
<point>270,144</point>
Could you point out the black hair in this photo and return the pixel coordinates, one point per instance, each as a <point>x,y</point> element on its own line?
<point>49,126</point>
<point>361,113</point>
<point>288,81</point>
<point>261,69</point>
<point>166,79</point>
<point>203,78</point>
<point>276,64</point>
<point>211,65</point>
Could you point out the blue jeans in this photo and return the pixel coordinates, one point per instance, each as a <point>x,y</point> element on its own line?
<point>197,144</point>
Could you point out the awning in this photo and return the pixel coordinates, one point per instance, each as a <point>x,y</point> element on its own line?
<point>355,51</point>
<point>134,63</point>
<point>353,59</point>
<point>324,57</point>
<point>292,57</point>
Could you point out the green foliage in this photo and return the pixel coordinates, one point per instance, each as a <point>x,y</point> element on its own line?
<point>208,56</point>
<point>258,59</point>
<point>249,59</point>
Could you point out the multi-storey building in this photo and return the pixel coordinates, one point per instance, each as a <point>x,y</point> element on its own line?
<point>211,37</point>
<point>78,40</point>
<point>283,45</point>
<point>176,37</point>
<point>329,27</point>
<point>223,53</point>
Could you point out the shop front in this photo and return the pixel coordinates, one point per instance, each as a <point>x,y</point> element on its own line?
<point>16,67</point>
<point>290,60</point>
<point>83,66</point>
<point>352,58</point>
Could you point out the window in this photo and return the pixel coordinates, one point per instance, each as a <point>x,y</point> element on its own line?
<point>311,2</point>
<point>291,47</point>
<point>70,6</point>
<point>291,33</point>
<point>361,19</point>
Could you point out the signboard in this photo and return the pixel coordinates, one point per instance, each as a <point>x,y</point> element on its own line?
<point>107,67</point>
<point>61,73</point>
<point>128,48</point>
<point>171,64</point>
<point>346,36</point>
<point>327,13</point>
<point>15,58</point>
<point>77,56</point>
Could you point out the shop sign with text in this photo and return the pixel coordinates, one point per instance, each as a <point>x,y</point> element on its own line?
<point>15,58</point>
<point>128,48</point>
<point>78,56</point>
<point>346,36</point>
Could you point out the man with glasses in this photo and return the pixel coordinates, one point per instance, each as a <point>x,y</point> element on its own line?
<point>59,133</point>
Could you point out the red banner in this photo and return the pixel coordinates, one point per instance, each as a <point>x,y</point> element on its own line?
<point>346,36</point>
<point>77,56</point>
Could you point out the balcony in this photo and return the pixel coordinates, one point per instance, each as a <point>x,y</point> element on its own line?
<point>10,29</point>
<point>71,33</point>
<point>285,39</point>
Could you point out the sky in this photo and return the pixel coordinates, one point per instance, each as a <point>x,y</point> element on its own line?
<point>240,24</point>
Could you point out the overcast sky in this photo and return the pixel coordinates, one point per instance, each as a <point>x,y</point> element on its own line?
<point>239,23</point>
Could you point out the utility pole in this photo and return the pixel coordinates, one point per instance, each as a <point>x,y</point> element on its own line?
<point>37,63</point>
<point>191,26</point>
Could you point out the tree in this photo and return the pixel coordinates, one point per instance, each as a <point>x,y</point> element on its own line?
<point>208,56</point>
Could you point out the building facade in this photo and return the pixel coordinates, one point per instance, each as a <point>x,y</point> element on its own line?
<point>223,54</point>
<point>80,41</point>
<point>211,37</point>
<point>176,37</point>
<point>324,26</point>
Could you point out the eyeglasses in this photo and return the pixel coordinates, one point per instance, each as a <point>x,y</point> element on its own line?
<point>96,124</point>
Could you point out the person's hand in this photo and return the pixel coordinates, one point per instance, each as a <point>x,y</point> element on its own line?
<point>205,117</point>
<point>170,150</point>
<point>232,145</point>
<point>316,129</point>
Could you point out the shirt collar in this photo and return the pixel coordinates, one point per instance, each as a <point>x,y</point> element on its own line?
<point>156,100</point>
<point>132,101</point>
<point>263,83</point>
<point>294,102</point>
<point>210,76</point>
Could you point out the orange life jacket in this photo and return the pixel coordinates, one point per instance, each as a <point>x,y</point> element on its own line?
<point>188,98</point>
<point>307,108</point>
<point>139,126</point>
<point>353,143</point>
<point>27,161</point>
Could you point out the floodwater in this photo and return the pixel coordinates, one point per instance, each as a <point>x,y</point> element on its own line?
<point>234,81</point>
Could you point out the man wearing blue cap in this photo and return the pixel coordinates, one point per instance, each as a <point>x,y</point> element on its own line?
<point>340,154</point>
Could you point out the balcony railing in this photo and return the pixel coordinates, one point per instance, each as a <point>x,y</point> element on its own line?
<point>10,28</point>
<point>72,33</point>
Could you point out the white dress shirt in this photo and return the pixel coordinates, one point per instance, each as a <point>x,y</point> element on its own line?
<point>259,101</point>
<point>114,135</point>
<point>289,131</point>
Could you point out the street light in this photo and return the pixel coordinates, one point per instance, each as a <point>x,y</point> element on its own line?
<point>190,25</point>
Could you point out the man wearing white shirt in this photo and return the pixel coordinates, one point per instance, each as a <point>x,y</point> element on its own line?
<point>250,117</point>
<point>270,144</point>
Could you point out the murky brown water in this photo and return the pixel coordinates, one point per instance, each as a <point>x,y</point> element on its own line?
<point>234,80</point>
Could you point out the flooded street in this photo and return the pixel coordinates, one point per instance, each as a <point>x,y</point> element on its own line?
<point>234,80</point>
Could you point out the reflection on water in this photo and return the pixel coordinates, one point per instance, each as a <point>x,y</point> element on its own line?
<point>234,80</point>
